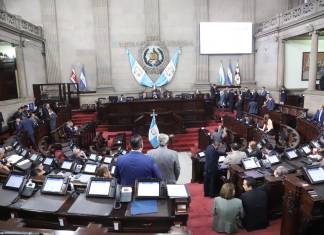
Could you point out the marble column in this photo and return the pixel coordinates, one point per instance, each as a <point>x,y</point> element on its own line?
<point>152,20</point>
<point>52,48</point>
<point>281,63</point>
<point>102,42</point>
<point>202,61</point>
<point>22,84</point>
<point>313,62</point>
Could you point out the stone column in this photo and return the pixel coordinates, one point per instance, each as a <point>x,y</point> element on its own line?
<point>202,61</point>
<point>52,48</point>
<point>152,20</point>
<point>22,84</point>
<point>313,62</point>
<point>102,42</point>
<point>281,63</point>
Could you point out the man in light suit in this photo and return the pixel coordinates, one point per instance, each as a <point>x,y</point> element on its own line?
<point>166,159</point>
<point>319,115</point>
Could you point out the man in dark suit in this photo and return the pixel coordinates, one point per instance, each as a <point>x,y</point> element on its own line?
<point>135,165</point>
<point>319,115</point>
<point>239,107</point>
<point>27,125</point>
<point>231,100</point>
<point>212,182</point>
<point>269,103</point>
<point>255,206</point>
<point>253,107</point>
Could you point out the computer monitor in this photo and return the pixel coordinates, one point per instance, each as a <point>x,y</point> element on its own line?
<point>90,168</point>
<point>108,160</point>
<point>307,150</point>
<point>14,181</point>
<point>33,157</point>
<point>273,159</point>
<point>67,165</point>
<point>48,161</point>
<point>250,163</point>
<point>315,144</point>
<point>148,188</point>
<point>291,154</point>
<point>55,184</point>
<point>24,153</point>
<point>93,157</point>
<point>315,174</point>
<point>101,187</point>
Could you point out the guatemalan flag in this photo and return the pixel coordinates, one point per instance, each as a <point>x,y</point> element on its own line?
<point>229,79</point>
<point>74,78</point>
<point>138,72</point>
<point>221,75</point>
<point>154,132</point>
<point>83,82</point>
<point>169,70</point>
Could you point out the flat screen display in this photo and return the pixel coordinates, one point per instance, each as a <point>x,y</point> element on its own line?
<point>99,188</point>
<point>93,157</point>
<point>14,181</point>
<point>67,165</point>
<point>90,168</point>
<point>48,161</point>
<point>306,149</point>
<point>316,174</point>
<point>53,185</point>
<point>250,163</point>
<point>225,37</point>
<point>316,144</point>
<point>273,159</point>
<point>148,189</point>
<point>292,154</point>
<point>108,160</point>
<point>34,157</point>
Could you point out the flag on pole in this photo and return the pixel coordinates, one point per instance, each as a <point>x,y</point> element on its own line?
<point>229,80</point>
<point>221,75</point>
<point>154,132</point>
<point>169,70</point>
<point>74,78</point>
<point>138,72</point>
<point>237,76</point>
<point>83,82</point>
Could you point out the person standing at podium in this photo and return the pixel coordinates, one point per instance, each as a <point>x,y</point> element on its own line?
<point>166,159</point>
<point>135,165</point>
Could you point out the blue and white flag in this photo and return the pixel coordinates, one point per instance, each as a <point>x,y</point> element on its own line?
<point>83,82</point>
<point>138,72</point>
<point>169,70</point>
<point>229,80</point>
<point>154,132</point>
<point>221,75</point>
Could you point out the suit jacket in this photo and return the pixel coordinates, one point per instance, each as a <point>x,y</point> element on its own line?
<point>28,125</point>
<point>270,104</point>
<point>234,157</point>
<point>168,163</point>
<point>253,107</point>
<point>255,208</point>
<point>317,116</point>
<point>211,163</point>
<point>255,153</point>
<point>135,165</point>
<point>227,215</point>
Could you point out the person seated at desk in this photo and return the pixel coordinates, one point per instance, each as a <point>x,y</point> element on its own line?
<point>103,172</point>
<point>267,125</point>
<point>253,151</point>
<point>269,103</point>
<point>227,210</point>
<point>280,171</point>
<point>235,156</point>
<point>255,203</point>
<point>248,120</point>
<point>135,165</point>
<point>69,129</point>
<point>319,115</point>
<point>4,166</point>
<point>79,155</point>
<point>269,150</point>
<point>316,154</point>
<point>37,169</point>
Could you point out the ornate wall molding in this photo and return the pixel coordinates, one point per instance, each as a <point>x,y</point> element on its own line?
<point>307,11</point>
<point>20,26</point>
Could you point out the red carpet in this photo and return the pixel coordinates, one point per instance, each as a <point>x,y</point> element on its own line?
<point>200,218</point>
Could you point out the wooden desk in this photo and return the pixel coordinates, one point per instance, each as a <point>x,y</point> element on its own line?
<point>125,115</point>
<point>302,213</point>
<point>307,130</point>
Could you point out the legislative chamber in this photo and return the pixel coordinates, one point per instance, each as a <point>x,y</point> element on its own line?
<point>162,117</point>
